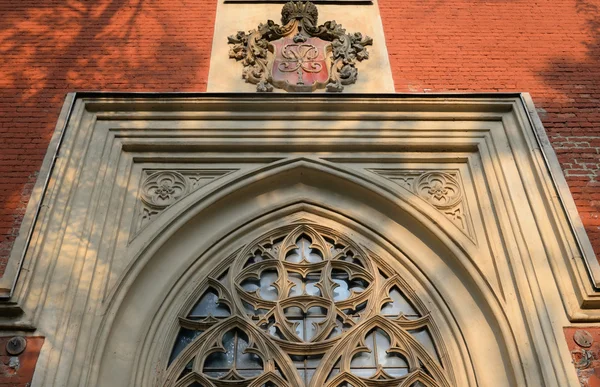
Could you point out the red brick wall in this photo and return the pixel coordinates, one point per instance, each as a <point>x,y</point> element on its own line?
<point>550,48</point>
<point>585,353</point>
<point>17,371</point>
<point>51,47</point>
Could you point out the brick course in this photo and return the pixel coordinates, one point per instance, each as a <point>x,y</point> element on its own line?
<point>549,48</point>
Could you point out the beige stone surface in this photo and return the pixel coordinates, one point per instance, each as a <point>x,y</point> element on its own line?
<point>225,74</point>
<point>459,194</point>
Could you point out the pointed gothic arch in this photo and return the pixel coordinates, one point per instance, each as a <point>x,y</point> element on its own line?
<point>299,208</point>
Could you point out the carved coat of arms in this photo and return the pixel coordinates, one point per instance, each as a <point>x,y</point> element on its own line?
<point>299,56</point>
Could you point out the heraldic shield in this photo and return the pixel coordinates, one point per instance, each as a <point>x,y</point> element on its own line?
<point>300,64</point>
<point>299,56</point>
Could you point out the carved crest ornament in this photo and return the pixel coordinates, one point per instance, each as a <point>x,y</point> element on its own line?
<point>299,56</point>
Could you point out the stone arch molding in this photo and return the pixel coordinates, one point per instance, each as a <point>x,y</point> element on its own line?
<point>299,183</point>
<point>296,252</point>
<point>301,217</point>
<point>461,197</point>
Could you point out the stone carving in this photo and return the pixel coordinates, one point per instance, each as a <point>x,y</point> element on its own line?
<point>441,189</point>
<point>438,188</point>
<point>299,56</point>
<point>306,306</point>
<point>161,189</point>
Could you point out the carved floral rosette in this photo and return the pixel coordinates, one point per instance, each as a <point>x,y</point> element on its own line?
<point>257,53</point>
<point>305,306</point>
<point>161,189</point>
<point>440,189</point>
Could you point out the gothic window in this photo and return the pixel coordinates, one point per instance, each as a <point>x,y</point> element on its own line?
<point>305,306</point>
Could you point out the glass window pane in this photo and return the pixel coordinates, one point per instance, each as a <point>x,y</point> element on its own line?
<point>311,288</point>
<point>217,360</point>
<point>267,290</point>
<point>304,253</point>
<point>363,372</point>
<point>424,337</point>
<point>396,372</point>
<point>300,330</point>
<point>304,267</point>
<point>297,289</point>
<point>246,359</point>
<point>209,305</point>
<point>341,292</point>
<point>293,311</point>
<point>184,338</point>
<point>304,286</point>
<point>398,305</point>
<point>251,284</point>
<point>363,359</point>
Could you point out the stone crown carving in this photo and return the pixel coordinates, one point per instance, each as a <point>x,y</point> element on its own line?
<point>301,11</point>
<point>299,56</point>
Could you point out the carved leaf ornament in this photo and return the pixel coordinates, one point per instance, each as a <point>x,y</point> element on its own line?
<point>305,306</point>
<point>299,56</point>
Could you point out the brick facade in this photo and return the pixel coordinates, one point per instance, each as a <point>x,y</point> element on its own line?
<point>550,48</point>
<point>17,370</point>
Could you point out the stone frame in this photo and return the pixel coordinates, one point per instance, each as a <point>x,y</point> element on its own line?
<point>97,286</point>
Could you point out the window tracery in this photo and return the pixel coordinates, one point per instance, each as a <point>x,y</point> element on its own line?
<point>305,306</point>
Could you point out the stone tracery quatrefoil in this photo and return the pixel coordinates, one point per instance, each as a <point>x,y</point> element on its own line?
<point>305,306</point>
<point>440,189</point>
<point>164,188</point>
